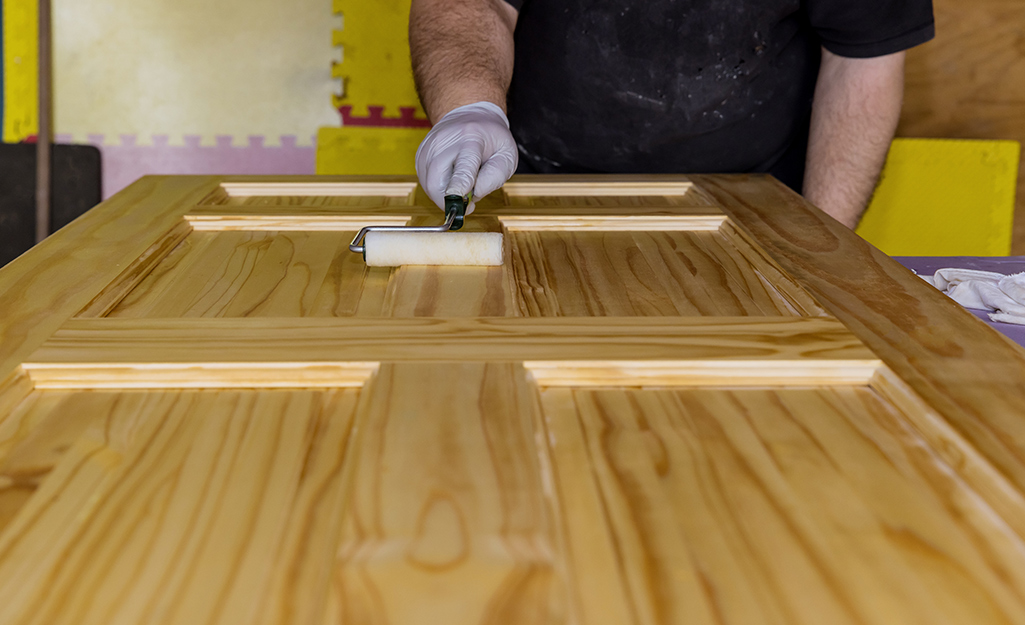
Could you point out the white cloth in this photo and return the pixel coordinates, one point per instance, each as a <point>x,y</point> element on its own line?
<point>986,290</point>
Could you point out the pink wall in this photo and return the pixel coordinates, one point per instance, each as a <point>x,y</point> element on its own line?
<point>126,162</point>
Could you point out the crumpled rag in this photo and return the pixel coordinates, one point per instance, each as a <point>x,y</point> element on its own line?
<point>986,290</point>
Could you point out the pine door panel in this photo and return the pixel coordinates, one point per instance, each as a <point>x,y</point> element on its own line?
<point>159,486</point>
<point>776,505</point>
<point>703,504</point>
<point>251,274</point>
<point>679,400</point>
<point>674,273</point>
<point>274,254</point>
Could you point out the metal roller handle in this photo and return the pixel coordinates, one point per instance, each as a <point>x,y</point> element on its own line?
<point>455,211</point>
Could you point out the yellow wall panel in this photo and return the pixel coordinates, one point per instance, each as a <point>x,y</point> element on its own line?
<point>375,66</point>
<point>21,69</point>
<point>942,197</point>
<point>368,150</point>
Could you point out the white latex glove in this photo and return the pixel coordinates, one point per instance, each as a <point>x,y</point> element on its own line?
<point>470,149</point>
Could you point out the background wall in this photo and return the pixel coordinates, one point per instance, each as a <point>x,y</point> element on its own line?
<point>194,86</point>
<point>382,121</point>
<point>969,82</point>
<point>236,86</point>
<point>179,86</point>
<point>193,67</point>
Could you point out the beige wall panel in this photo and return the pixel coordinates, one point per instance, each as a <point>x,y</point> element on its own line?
<point>194,67</point>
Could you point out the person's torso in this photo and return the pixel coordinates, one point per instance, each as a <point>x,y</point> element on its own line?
<point>660,85</point>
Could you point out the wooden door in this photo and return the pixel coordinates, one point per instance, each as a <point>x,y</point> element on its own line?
<point>680,400</point>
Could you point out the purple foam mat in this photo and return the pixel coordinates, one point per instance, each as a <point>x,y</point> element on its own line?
<point>125,160</point>
<point>927,265</point>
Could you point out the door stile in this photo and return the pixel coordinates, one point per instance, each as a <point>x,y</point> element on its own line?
<point>446,490</point>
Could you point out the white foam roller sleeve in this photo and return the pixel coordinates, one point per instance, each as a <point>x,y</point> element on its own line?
<point>392,249</point>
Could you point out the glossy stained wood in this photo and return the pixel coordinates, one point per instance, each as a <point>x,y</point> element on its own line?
<point>970,375</point>
<point>228,499</point>
<point>582,274</point>
<point>556,271</point>
<point>449,499</point>
<point>771,506</point>
<point>449,339</point>
<point>680,400</point>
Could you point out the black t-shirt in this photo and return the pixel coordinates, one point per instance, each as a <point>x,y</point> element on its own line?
<point>661,86</point>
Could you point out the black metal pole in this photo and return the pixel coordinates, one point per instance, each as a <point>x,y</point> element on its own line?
<point>44,136</point>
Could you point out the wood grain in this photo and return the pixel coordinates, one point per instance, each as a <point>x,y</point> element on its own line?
<point>440,291</point>
<point>704,373</point>
<point>596,186</point>
<point>448,521</point>
<point>350,288</point>
<point>256,270</point>
<point>244,274</point>
<point>134,274</point>
<point>769,422</point>
<point>617,223</point>
<point>324,187</point>
<point>255,341</point>
<point>202,375</point>
<point>257,215</point>
<point>723,506</point>
<point>652,202</point>
<point>970,465</point>
<point>279,221</point>
<point>247,486</point>
<point>313,201</point>
<point>603,191</point>
<point>35,436</point>
<point>236,217</point>
<point>202,279</point>
<point>573,273</point>
<point>53,281</point>
<point>13,390</point>
<point>785,287</point>
<point>964,370</point>
<point>307,273</point>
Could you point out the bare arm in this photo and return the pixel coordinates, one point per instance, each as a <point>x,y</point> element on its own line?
<point>462,52</point>
<point>856,109</point>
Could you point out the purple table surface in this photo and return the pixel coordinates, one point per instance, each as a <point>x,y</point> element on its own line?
<point>927,265</point>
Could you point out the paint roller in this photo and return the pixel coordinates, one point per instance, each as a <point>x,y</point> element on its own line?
<point>392,246</point>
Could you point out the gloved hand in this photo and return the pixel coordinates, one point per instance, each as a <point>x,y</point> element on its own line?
<point>469,149</point>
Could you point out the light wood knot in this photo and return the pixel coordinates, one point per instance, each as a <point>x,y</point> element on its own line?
<point>441,540</point>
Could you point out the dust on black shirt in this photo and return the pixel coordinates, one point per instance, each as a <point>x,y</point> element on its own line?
<point>662,86</point>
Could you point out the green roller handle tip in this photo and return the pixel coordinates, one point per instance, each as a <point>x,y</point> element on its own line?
<point>456,204</point>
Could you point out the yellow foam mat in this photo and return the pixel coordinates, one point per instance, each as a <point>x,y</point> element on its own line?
<point>368,150</point>
<point>21,69</point>
<point>944,197</point>
<point>375,65</point>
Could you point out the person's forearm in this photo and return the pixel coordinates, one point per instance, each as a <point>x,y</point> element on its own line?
<point>856,109</point>
<point>462,52</point>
